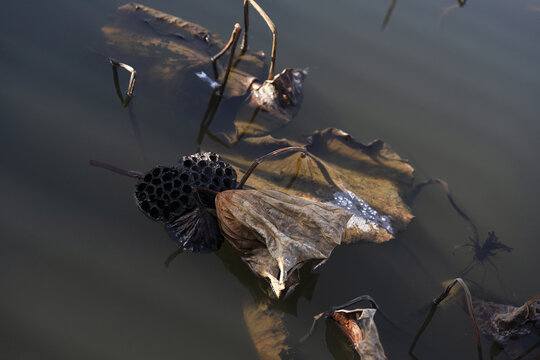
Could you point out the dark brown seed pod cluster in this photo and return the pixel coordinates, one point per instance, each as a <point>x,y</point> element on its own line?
<point>167,192</point>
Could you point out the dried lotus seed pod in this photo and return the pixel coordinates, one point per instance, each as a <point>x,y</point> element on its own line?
<point>209,171</point>
<point>165,193</point>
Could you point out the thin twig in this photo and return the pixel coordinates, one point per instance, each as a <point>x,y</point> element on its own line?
<point>267,157</point>
<point>129,173</point>
<point>437,301</point>
<point>270,25</point>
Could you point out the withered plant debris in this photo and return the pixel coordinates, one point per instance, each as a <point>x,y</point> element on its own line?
<point>437,301</point>
<point>369,181</point>
<point>180,196</point>
<point>358,326</point>
<point>514,329</point>
<point>131,86</point>
<point>183,58</point>
<point>196,230</point>
<point>276,233</point>
<point>483,252</point>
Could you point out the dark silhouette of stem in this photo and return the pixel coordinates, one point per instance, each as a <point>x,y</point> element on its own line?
<point>437,301</point>
<point>129,173</point>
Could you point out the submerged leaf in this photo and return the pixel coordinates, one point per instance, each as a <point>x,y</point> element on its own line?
<point>369,181</point>
<point>175,55</point>
<point>170,50</point>
<point>267,331</point>
<point>276,233</point>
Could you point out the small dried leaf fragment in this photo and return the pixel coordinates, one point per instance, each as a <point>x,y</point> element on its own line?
<point>276,233</point>
<point>359,327</point>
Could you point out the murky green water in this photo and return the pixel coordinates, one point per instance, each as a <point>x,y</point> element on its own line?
<point>82,271</point>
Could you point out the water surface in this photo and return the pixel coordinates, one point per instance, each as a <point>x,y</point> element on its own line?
<point>82,271</point>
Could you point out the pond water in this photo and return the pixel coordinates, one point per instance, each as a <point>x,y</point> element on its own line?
<point>82,270</point>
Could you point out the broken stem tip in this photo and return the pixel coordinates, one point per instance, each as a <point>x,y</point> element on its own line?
<point>228,45</point>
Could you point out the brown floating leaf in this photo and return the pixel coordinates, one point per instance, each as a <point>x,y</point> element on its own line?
<point>370,181</point>
<point>276,233</point>
<point>357,324</point>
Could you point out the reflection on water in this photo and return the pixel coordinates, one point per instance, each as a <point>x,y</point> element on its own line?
<point>82,270</point>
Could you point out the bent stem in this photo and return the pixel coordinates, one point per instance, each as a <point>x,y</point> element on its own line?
<point>233,41</point>
<point>437,301</point>
<point>270,25</point>
<point>128,173</point>
<point>172,256</point>
<point>267,157</point>
<point>131,86</point>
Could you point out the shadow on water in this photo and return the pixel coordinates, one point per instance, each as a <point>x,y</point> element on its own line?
<point>259,288</point>
<point>446,12</point>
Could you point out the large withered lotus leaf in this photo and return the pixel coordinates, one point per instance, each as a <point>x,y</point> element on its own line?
<point>370,181</point>
<point>168,51</point>
<point>276,233</point>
